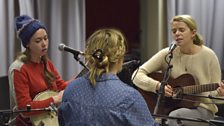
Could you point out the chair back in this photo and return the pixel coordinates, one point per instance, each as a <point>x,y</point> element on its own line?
<point>4,93</point>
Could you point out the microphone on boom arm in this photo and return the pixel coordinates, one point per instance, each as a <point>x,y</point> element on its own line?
<point>172,46</point>
<point>76,53</point>
<point>63,47</point>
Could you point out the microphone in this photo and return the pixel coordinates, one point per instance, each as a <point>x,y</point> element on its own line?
<point>131,63</point>
<point>172,46</point>
<point>63,47</point>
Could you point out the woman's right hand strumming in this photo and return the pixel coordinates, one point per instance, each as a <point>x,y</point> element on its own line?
<point>57,98</point>
<point>168,90</point>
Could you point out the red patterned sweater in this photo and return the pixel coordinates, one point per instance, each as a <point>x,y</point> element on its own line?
<point>28,81</point>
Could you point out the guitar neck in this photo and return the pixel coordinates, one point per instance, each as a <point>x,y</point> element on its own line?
<point>194,89</point>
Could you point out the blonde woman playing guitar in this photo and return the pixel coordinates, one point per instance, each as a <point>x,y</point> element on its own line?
<point>190,56</point>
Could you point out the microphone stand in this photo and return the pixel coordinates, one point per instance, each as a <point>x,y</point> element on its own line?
<point>211,122</point>
<point>5,114</point>
<point>163,82</point>
<point>164,117</point>
<point>76,57</point>
<point>214,121</point>
<point>201,96</point>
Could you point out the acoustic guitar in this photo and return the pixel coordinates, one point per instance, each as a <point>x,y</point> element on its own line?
<point>184,84</point>
<point>46,118</point>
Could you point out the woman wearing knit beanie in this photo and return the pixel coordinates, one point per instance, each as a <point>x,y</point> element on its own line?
<point>32,72</point>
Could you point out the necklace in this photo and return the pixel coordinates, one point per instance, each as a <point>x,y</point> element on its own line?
<point>185,62</point>
<point>188,62</point>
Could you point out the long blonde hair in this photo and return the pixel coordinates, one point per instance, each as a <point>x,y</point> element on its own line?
<point>104,47</point>
<point>191,23</point>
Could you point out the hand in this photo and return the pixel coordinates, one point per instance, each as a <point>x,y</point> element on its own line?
<point>168,90</point>
<point>57,98</point>
<point>220,89</point>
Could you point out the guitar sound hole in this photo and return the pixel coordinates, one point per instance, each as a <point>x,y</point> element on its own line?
<point>178,93</point>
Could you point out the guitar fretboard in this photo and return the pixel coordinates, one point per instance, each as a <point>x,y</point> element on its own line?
<point>194,89</point>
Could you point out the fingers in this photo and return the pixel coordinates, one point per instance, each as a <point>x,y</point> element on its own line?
<point>168,91</point>
<point>220,89</point>
<point>221,84</point>
<point>58,97</point>
<point>61,93</point>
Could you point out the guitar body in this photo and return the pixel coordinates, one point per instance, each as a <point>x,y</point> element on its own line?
<point>168,103</point>
<point>46,118</point>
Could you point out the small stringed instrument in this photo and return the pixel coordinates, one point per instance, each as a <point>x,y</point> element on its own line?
<point>184,84</point>
<point>49,118</point>
<point>46,118</point>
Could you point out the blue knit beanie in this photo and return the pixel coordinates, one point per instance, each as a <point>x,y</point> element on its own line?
<point>26,27</point>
